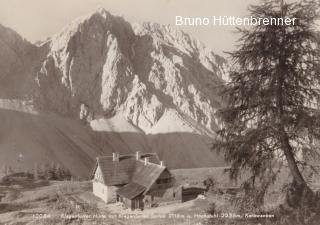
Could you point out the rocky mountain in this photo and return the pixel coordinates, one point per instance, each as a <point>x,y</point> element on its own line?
<point>15,63</point>
<point>142,70</point>
<point>144,87</point>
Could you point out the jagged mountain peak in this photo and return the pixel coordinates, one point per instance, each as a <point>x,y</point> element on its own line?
<point>100,14</point>
<point>95,26</point>
<point>111,66</point>
<point>149,84</point>
<point>103,12</point>
<point>171,36</point>
<point>167,33</point>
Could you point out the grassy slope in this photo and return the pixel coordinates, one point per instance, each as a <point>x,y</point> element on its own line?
<point>177,142</point>
<point>196,176</point>
<point>26,198</point>
<point>45,138</point>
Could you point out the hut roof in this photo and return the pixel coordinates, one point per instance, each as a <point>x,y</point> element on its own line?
<point>128,170</point>
<point>131,190</point>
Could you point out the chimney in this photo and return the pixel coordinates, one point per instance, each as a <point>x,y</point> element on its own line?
<point>161,163</point>
<point>146,161</point>
<point>115,156</point>
<point>138,155</point>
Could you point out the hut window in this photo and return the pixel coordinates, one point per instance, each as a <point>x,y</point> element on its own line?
<point>174,194</point>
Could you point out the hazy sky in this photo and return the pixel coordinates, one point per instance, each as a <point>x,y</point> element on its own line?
<point>38,19</point>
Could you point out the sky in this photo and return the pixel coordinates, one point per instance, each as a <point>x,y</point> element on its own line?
<point>38,19</point>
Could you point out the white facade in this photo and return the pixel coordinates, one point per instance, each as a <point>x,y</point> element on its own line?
<point>102,191</point>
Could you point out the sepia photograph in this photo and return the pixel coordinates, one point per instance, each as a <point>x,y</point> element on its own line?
<point>160,112</point>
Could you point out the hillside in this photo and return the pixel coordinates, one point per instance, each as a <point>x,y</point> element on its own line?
<point>19,59</point>
<point>29,137</point>
<point>178,144</point>
<point>31,202</point>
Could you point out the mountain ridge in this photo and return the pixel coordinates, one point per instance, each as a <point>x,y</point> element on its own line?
<point>101,70</point>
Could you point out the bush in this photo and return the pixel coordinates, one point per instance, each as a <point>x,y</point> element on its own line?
<point>209,183</point>
<point>53,172</point>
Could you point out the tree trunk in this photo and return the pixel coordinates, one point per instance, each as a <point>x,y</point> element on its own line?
<point>284,139</point>
<point>299,194</point>
<point>288,152</point>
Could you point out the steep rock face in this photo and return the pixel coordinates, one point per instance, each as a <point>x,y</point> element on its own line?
<point>88,63</point>
<point>16,62</point>
<point>111,66</point>
<point>180,70</point>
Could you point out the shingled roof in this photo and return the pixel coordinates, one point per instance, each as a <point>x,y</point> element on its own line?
<point>121,172</point>
<point>131,190</point>
<point>136,175</point>
<point>146,175</point>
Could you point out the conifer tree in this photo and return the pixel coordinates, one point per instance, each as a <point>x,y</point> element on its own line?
<point>271,115</point>
<point>4,169</point>
<point>36,171</point>
<point>9,170</point>
<point>59,172</point>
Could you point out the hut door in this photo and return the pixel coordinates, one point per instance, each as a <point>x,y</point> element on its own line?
<point>137,203</point>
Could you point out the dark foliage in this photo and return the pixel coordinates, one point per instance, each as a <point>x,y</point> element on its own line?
<point>52,172</point>
<point>272,110</point>
<point>272,117</point>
